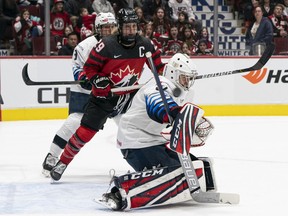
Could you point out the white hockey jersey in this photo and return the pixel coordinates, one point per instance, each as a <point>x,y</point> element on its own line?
<point>136,129</point>
<point>79,57</point>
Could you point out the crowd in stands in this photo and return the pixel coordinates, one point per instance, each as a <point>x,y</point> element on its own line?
<point>170,24</point>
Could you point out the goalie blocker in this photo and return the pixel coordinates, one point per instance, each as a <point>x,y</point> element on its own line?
<point>155,187</point>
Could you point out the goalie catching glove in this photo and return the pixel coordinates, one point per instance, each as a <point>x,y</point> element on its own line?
<point>202,130</point>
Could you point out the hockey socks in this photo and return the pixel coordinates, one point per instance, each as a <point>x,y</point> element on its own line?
<point>76,142</point>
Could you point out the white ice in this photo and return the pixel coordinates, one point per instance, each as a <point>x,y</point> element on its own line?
<point>250,158</point>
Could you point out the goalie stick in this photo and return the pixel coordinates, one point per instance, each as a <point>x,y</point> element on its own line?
<point>30,82</point>
<point>196,193</point>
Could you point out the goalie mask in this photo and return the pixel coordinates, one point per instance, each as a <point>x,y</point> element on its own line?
<point>181,71</point>
<point>104,19</point>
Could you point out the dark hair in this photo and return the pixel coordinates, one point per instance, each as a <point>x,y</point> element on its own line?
<point>202,41</point>
<point>72,33</point>
<point>258,7</point>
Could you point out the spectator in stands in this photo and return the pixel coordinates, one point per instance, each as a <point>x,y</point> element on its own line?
<point>204,35</point>
<point>260,33</point>
<point>285,11</point>
<point>142,20</point>
<point>236,6</point>
<point>186,49</point>
<point>248,12</point>
<point>174,44</point>
<point>27,28</point>
<point>9,13</point>
<point>150,7</point>
<point>59,20</point>
<point>72,6</point>
<point>138,3</point>
<point>161,26</point>
<point>85,24</point>
<point>279,21</point>
<point>190,37</point>
<point>64,41</point>
<point>103,6</point>
<point>267,7</point>
<point>38,3</point>
<point>68,48</point>
<point>148,33</point>
<point>202,48</point>
<point>118,4</point>
<point>181,22</point>
<point>186,6</point>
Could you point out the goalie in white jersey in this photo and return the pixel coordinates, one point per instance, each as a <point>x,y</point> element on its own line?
<point>105,25</point>
<point>159,178</point>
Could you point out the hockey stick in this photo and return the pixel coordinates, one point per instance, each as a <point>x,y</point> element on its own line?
<point>30,82</point>
<point>1,100</point>
<point>196,193</point>
<point>259,64</point>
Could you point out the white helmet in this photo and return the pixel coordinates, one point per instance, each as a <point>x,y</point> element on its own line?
<point>104,18</point>
<point>181,71</point>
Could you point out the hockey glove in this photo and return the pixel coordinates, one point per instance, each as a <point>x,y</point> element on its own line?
<point>102,86</point>
<point>84,82</point>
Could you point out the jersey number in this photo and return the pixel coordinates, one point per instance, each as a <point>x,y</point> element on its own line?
<point>75,54</point>
<point>100,46</point>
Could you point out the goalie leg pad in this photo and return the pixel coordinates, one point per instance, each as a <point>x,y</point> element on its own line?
<point>161,186</point>
<point>154,187</point>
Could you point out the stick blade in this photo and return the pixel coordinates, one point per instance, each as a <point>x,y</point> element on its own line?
<point>30,82</point>
<point>1,100</point>
<point>214,197</point>
<point>229,198</point>
<point>25,75</point>
<point>265,57</point>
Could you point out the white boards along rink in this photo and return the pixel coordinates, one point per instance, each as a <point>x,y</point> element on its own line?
<point>262,92</point>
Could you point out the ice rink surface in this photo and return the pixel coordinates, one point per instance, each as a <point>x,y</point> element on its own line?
<point>250,158</point>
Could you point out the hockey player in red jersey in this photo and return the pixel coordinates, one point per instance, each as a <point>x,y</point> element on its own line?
<point>159,178</point>
<point>116,61</point>
<point>105,25</point>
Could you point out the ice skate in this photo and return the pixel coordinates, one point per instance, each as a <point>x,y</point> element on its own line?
<point>49,162</point>
<point>112,200</point>
<point>58,170</point>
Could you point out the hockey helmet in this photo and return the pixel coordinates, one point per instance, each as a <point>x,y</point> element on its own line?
<point>181,71</point>
<point>104,18</point>
<point>127,15</point>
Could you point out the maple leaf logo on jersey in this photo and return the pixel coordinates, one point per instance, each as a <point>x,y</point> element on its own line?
<point>126,77</point>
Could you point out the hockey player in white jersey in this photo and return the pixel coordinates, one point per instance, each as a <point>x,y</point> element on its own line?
<point>159,178</point>
<point>105,25</point>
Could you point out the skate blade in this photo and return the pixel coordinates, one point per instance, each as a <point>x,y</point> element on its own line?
<point>104,203</point>
<point>52,181</point>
